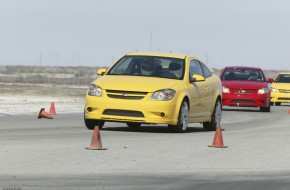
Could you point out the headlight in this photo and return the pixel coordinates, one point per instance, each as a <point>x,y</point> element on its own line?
<point>226,90</point>
<point>165,94</point>
<point>94,90</point>
<point>273,89</point>
<point>263,91</point>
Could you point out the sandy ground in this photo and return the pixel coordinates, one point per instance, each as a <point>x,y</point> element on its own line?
<point>27,99</point>
<point>27,105</point>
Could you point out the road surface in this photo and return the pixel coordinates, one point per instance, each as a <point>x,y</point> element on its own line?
<point>50,154</point>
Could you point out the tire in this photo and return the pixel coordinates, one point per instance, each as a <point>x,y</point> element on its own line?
<point>91,123</point>
<point>265,109</point>
<point>216,115</point>
<point>278,103</point>
<point>182,123</point>
<point>133,125</point>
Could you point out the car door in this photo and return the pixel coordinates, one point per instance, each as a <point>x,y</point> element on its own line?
<point>211,87</point>
<point>198,92</point>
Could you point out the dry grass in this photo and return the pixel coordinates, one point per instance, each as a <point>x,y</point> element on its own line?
<point>54,81</point>
<point>46,90</point>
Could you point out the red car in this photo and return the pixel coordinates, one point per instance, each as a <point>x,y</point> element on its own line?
<point>245,87</point>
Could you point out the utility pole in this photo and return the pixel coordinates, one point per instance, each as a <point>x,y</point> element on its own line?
<point>151,39</point>
<point>80,59</point>
<point>40,59</point>
<point>206,58</point>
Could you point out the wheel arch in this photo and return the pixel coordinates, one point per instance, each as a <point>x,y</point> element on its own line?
<point>181,98</point>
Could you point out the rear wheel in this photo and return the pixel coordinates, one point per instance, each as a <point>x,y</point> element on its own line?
<point>182,122</point>
<point>215,117</point>
<point>133,125</point>
<point>277,103</point>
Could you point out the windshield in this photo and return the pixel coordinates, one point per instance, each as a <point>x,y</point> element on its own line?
<point>149,66</point>
<point>283,78</point>
<point>243,74</point>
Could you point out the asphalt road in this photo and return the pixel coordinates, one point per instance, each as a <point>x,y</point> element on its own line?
<point>50,154</point>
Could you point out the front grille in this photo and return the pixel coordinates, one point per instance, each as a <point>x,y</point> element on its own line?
<point>243,91</point>
<point>126,95</point>
<point>243,101</point>
<point>126,113</point>
<point>283,98</point>
<point>284,91</point>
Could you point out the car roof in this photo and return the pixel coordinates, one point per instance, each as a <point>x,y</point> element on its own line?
<point>287,73</point>
<point>242,67</point>
<point>161,54</point>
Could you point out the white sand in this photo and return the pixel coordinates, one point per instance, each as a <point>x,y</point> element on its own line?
<point>25,105</point>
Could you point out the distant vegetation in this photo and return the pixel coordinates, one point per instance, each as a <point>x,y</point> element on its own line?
<point>48,75</point>
<point>60,75</point>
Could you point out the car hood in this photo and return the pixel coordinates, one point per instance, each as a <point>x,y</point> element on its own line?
<point>134,83</point>
<point>281,85</point>
<point>244,84</point>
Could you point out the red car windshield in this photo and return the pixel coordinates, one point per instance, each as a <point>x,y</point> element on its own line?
<point>243,75</point>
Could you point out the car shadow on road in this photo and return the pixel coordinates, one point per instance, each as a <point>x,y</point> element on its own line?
<point>283,105</point>
<point>240,110</point>
<point>151,129</point>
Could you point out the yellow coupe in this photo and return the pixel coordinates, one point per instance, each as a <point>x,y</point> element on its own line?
<point>280,89</point>
<point>155,88</point>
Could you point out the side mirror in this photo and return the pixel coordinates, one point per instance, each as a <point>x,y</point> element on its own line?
<point>101,71</point>
<point>270,80</point>
<point>197,78</point>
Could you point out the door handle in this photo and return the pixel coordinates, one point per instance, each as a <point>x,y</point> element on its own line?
<point>206,89</point>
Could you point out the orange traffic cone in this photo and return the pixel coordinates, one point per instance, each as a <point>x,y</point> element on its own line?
<point>52,109</point>
<point>44,114</point>
<point>96,142</point>
<point>218,139</point>
<point>288,111</point>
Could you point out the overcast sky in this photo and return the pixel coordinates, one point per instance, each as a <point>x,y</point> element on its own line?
<point>98,32</point>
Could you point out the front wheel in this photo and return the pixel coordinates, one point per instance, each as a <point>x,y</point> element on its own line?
<point>91,123</point>
<point>278,103</point>
<point>133,125</point>
<point>215,118</point>
<point>265,109</point>
<point>182,122</point>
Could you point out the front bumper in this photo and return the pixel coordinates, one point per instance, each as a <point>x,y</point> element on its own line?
<point>141,111</point>
<point>246,100</point>
<point>280,97</point>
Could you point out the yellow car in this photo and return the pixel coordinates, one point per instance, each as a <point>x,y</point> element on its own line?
<point>155,88</point>
<point>280,89</point>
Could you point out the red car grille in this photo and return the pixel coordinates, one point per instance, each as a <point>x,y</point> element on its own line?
<point>243,101</point>
<point>243,91</point>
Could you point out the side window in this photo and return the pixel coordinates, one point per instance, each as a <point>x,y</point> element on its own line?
<point>206,72</point>
<point>194,68</point>
<point>121,67</point>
